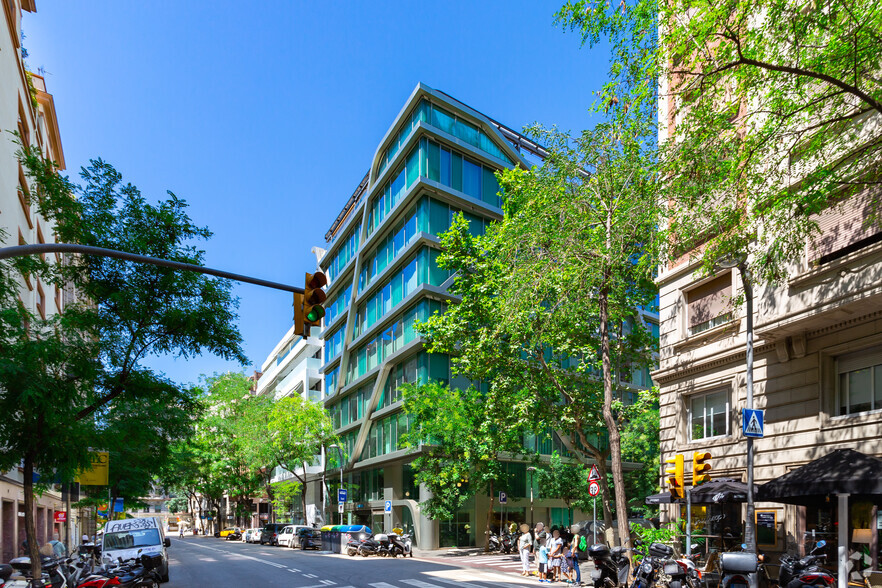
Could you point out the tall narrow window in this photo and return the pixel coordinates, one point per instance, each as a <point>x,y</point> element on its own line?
<point>709,415</point>
<point>859,382</point>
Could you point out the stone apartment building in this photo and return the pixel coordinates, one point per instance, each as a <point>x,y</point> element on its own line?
<point>817,372</point>
<point>25,107</point>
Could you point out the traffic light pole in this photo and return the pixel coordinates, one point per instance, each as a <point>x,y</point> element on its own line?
<point>24,250</point>
<point>688,522</point>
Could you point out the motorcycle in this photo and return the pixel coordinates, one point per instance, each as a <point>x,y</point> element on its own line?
<point>51,574</point>
<point>796,573</point>
<point>494,543</point>
<point>368,547</point>
<point>384,545</point>
<point>686,573</point>
<point>736,567</point>
<point>506,545</point>
<point>611,567</point>
<point>651,567</point>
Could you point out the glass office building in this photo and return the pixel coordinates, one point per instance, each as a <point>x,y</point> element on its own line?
<point>438,159</point>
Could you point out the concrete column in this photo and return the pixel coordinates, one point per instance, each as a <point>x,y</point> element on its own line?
<point>843,540</point>
<point>426,529</point>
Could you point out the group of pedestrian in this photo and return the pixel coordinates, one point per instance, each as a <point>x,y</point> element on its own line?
<point>556,554</point>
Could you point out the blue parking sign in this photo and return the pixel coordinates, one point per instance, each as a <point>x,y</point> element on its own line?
<point>388,508</point>
<point>341,495</point>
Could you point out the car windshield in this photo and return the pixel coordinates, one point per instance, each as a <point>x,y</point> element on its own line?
<point>131,539</point>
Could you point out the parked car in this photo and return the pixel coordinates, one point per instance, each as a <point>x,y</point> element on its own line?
<point>231,534</point>
<point>249,535</point>
<point>270,534</point>
<point>309,538</point>
<point>294,540</point>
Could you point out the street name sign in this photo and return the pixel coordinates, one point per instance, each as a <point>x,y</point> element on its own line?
<point>752,422</point>
<point>341,495</point>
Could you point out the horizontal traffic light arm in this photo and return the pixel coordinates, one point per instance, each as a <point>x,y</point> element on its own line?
<point>24,250</point>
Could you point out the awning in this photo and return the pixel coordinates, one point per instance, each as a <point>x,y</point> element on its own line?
<point>662,498</point>
<point>721,491</point>
<point>843,471</point>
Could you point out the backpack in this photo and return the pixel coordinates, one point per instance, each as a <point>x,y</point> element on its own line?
<point>583,544</point>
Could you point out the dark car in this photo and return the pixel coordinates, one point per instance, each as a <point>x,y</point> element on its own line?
<point>269,535</point>
<point>309,538</point>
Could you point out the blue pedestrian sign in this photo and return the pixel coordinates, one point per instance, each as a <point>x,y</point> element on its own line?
<point>341,494</point>
<point>752,422</point>
<point>388,507</point>
<point>503,498</point>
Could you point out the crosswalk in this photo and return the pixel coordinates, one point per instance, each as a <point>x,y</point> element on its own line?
<point>505,563</point>
<point>409,583</point>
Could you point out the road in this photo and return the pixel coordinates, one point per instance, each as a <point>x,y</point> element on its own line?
<point>214,563</point>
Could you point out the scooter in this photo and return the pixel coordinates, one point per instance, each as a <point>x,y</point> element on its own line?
<point>401,544</point>
<point>494,543</point>
<point>51,576</point>
<point>796,573</point>
<point>611,567</point>
<point>368,546</point>
<point>736,567</point>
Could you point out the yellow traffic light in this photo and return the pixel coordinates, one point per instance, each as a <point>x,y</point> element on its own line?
<point>298,313</point>
<point>700,467</point>
<point>313,298</point>
<point>675,477</point>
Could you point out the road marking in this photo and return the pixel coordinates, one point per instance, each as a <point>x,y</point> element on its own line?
<point>293,570</point>
<point>383,585</point>
<point>257,559</point>
<point>328,582</point>
<point>310,576</point>
<point>457,583</point>
<point>419,584</point>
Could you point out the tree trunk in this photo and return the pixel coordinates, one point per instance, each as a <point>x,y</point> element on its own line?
<point>615,446</point>
<point>30,524</point>
<point>489,519</point>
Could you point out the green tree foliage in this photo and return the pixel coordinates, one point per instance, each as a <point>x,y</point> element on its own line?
<point>462,433</point>
<point>771,113</point>
<point>642,444</point>
<point>178,504</point>
<point>564,481</point>
<point>286,495</point>
<point>295,433</point>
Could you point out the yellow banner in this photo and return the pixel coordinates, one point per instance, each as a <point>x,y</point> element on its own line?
<point>98,475</point>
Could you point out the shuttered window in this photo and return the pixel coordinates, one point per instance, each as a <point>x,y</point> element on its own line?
<point>710,304</point>
<point>847,226</point>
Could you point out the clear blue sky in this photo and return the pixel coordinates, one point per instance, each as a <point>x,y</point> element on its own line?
<point>264,115</point>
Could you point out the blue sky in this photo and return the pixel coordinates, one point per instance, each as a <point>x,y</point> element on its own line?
<point>264,116</point>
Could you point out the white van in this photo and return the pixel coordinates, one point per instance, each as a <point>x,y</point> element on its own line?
<point>124,538</point>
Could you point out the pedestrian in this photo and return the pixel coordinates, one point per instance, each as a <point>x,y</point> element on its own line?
<point>555,553</point>
<point>542,560</point>
<point>525,542</point>
<point>578,546</point>
<point>181,531</point>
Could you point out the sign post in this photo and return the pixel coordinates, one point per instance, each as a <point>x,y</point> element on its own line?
<point>594,490</point>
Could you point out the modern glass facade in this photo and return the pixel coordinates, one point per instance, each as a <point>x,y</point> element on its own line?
<point>438,159</point>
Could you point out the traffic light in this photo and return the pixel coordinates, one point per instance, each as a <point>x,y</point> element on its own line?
<point>298,313</point>
<point>699,467</point>
<point>675,477</point>
<point>313,298</point>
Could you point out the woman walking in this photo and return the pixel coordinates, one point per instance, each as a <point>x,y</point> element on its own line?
<point>525,543</point>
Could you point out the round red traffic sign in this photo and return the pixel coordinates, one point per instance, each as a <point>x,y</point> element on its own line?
<point>593,488</point>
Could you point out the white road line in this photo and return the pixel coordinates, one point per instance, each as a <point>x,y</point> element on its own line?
<point>293,570</point>
<point>457,583</point>
<point>310,576</point>
<point>383,585</point>
<point>328,582</point>
<point>420,584</point>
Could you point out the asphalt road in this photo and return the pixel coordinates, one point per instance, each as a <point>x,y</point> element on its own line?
<point>214,563</point>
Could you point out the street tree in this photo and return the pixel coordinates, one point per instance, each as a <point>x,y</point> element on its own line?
<point>117,314</point>
<point>564,481</point>
<point>296,432</point>
<point>551,295</point>
<point>771,113</point>
<point>462,434</point>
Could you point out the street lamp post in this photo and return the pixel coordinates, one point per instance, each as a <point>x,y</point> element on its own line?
<point>531,469</point>
<point>740,261</point>
<point>340,449</point>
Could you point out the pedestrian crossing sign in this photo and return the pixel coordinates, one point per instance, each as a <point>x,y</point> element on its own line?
<point>752,422</point>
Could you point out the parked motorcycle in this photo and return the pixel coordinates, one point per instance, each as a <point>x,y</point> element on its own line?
<point>797,573</point>
<point>736,567</point>
<point>506,545</point>
<point>401,544</point>
<point>51,575</point>
<point>494,543</point>
<point>611,567</point>
<point>652,565</point>
<point>686,574</point>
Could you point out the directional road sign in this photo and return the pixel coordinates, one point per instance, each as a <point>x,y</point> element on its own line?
<point>594,488</point>
<point>388,507</point>
<point>752,422</point>
<point>503,498</point>
<point>594,475</point>
<point>341,495</point>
